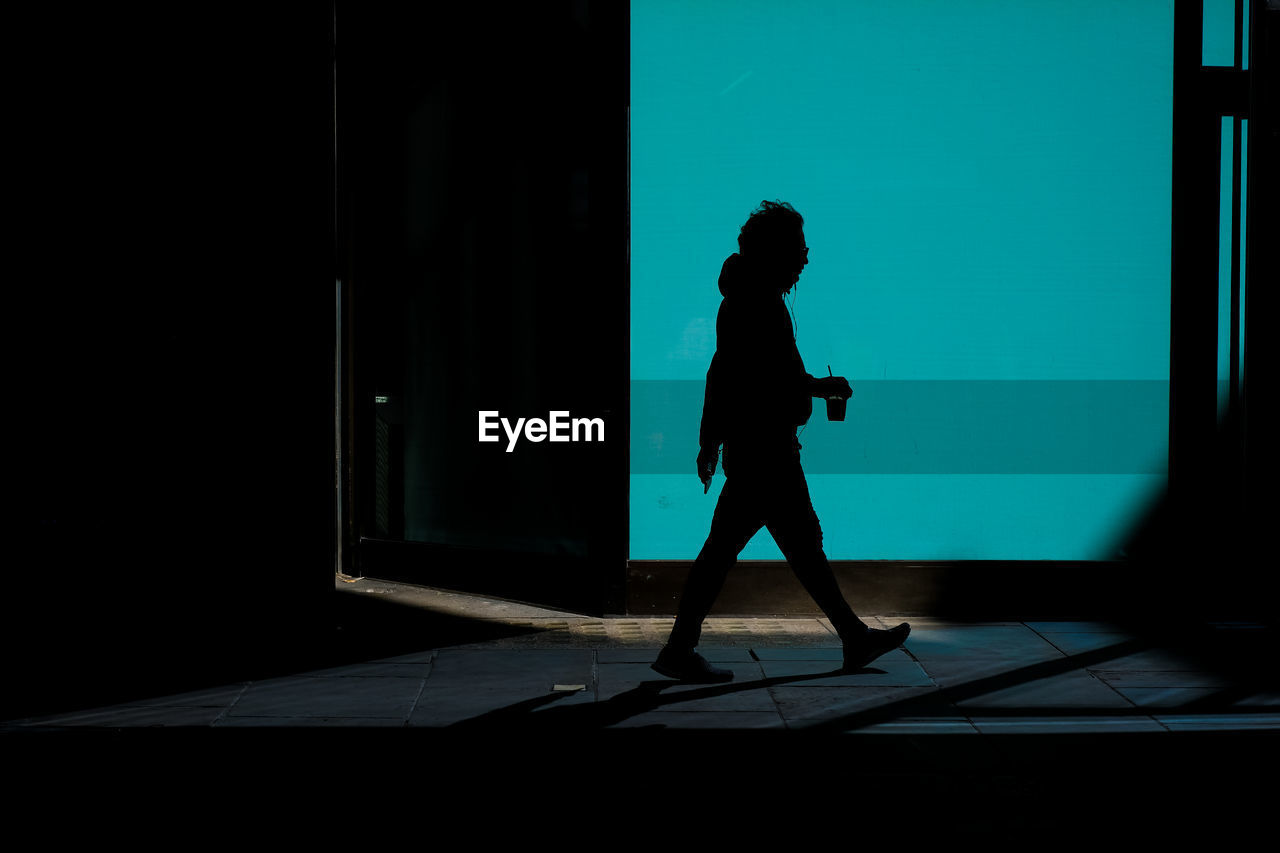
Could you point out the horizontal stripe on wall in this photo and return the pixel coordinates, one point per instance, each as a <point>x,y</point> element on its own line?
<point>939,427</point>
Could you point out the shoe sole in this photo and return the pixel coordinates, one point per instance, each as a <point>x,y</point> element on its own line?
<point>678,676</point>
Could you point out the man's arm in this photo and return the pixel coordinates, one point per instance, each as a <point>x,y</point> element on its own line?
<point>829,386</point>
<point>711,431</point>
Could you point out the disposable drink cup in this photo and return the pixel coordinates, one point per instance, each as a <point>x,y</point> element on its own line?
<point>835,408</point>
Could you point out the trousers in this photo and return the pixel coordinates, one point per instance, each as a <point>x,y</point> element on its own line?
<point>773,495</point>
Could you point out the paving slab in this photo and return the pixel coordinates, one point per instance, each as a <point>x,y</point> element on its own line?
<point>724,720</point>
<point>744,694</point>
<point>833,653</point>
<point>449,601</point>
<point>1065,690</point>
<point>869,621</point>
<point>1166,697</point>
<point>309,722</point>
<point>132,716</point>
<point>185,707</point>
<point>1175,678</point>
<point>304,696</point>
<point>500,668</point>
<point>1084,724</point>
<point>747,638</point>
<point>800,703</point>
<point>547,640</point>
<point>720,654</point>
<point>725,654</point>
<point>1161,660</point>
<point>445,706</point>
<point>1209,699</point>
<point>1002,641</point>
<point>1075,627</point>
<point>1218,722</point>
<point>424,656</point>
<point>918,726</point>
<point>629,654</point>
<point>888,621</point>
<point>960,671</point>
<point>376,669</point>
<point>1074,643</point>
<point>213,697</point>
<point>883,672</point>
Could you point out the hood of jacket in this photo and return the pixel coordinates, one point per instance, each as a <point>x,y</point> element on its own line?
<point>739,277</point>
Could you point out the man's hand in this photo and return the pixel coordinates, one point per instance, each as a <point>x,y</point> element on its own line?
<point>831,386</point>
<point>707,458</point>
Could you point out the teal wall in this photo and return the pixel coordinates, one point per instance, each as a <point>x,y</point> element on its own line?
<point>1218,37</point>
<point>986,188</point>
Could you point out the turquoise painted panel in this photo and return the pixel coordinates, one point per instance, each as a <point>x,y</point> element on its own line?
<point>939,427</point>
<point>1218,39</point>
<point>963,229</point>
<point>916,517</point>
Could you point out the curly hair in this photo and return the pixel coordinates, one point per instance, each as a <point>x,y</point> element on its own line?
<point>765,226</point>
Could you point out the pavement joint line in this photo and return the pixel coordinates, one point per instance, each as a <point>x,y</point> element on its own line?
<point>595,674</point>
<point>422,689</point>
<point>227,710</point>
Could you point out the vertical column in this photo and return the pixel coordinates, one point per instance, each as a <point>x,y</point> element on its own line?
<point>1194,305</point>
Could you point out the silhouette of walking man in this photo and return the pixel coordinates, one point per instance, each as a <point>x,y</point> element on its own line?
<point>757,394</point>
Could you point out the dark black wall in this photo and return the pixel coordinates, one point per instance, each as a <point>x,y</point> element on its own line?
<point>171,316</point>
<point>483,187</point>
<point>170,344</point>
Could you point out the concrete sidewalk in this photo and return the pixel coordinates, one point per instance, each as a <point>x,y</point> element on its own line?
<point>564,672</point>
<point>436,709</point>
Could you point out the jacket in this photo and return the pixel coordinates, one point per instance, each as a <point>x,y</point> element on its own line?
<point>757,391</point>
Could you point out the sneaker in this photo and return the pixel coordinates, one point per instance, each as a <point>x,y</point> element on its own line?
<point>689,666</point>
<point>872,645</point>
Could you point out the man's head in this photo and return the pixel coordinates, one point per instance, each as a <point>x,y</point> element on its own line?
<point>773,240</point>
